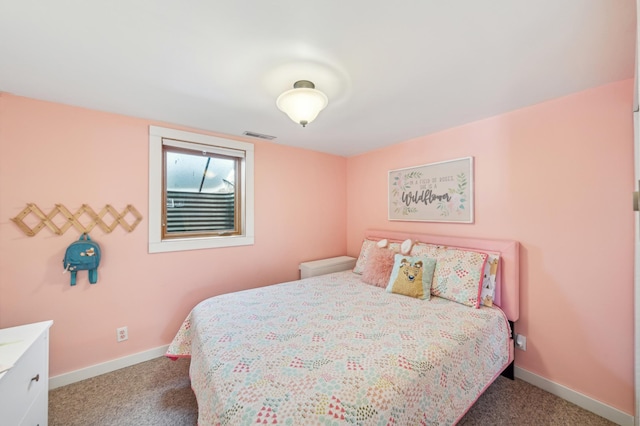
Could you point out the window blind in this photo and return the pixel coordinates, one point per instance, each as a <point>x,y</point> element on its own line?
<point>199,212</point>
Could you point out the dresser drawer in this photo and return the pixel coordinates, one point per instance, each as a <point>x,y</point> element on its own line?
<point>22,384</point>
<point>38,413</point>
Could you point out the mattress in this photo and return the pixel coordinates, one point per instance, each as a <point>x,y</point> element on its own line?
<point>331,350</point>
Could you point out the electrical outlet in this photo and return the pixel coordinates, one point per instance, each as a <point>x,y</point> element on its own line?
<point>521,342</point>
<point>122,333</point>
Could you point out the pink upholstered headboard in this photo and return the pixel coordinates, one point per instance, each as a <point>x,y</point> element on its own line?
<point>508,280</point>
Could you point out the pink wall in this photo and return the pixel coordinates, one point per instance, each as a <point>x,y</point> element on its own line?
<point>53,153</point>
<point>557,177</point>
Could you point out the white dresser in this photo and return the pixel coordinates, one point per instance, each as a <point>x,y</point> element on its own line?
<point>24,387</point>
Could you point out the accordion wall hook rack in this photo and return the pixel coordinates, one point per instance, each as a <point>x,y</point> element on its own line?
<point>32,219</point>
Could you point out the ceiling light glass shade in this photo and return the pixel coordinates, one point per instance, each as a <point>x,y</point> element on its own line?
<point>303,103</point>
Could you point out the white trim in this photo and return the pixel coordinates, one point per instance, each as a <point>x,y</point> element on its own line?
<point>636,261</point>
<point>636,225</point>
<point>588,403</point>
<point>156,243</point>
<point>106,367</point>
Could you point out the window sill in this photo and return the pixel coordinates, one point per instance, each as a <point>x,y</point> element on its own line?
<point>199,243</point>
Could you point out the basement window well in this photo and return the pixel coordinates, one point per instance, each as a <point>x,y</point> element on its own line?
<point>200,191</point>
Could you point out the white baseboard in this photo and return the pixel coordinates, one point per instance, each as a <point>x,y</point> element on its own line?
<point>106,367</point>
<point>590,404</point>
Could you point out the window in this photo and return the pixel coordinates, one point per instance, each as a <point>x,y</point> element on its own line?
<point>200,191</point>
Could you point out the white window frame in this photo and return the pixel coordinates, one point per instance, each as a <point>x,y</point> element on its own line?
<point>156,167</point>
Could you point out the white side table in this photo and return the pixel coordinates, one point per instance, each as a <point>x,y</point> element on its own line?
<point>326,266</point>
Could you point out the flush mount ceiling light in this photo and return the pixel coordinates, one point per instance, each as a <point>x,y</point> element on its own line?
<point>303,103</point>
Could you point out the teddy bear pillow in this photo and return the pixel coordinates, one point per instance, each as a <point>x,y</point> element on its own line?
<point>412,276</point>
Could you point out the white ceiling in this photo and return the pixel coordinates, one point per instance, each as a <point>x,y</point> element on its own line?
<point>393,70</point>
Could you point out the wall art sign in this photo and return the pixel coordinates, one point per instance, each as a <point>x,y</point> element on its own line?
<point>436,192</point>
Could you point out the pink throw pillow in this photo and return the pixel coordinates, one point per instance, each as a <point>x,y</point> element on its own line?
<point>378,268</point>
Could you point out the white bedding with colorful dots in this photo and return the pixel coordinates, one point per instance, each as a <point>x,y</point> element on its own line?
<point>332,350</point>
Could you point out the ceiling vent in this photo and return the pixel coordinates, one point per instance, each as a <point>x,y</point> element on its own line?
<point>259,135</point>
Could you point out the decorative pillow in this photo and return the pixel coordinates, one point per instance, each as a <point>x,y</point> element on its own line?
<point>378,267</point>
<point>429,250</point>
<point>364,255</point>
<point>412,276</point>
<point>365,251</point>
<point>488,293</point>
<point>458,276</point>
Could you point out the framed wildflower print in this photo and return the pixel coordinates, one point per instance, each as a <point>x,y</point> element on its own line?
<point>435,192</point>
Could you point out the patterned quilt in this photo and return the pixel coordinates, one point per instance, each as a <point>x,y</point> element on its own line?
<point>332,350</point>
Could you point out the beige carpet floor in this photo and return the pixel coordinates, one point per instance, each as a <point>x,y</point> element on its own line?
<point>158,393</point>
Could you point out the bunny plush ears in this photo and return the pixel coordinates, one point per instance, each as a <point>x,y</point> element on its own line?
<point>405,247</point>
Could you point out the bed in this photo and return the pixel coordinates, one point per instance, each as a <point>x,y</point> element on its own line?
<point>334,349</point>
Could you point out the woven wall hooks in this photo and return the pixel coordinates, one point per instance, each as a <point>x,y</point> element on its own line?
<point>48,220</point>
